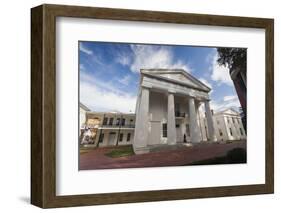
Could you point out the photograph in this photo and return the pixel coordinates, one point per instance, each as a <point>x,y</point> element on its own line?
<point>155,100</point>
<point>155,105</point>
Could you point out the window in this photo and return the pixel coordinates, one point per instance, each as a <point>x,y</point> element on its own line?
<point>164,130</point>
<point>128,136</point>
<point>105,121</point>
<point>110,121</point>
<point>121,137</point>
<point>118,121</point>
<point>221,134</point>
<point>230,130</point>
<point>241,131</point>
<point>177,110</point>
<point>101,138</point>
<point>233,120</point>
<point>123,122</point>
<point>177,125</point>
<point>187,130</point>
<point>131,122</point>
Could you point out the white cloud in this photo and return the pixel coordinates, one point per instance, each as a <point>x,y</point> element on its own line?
<point>81,67</point>
<point>99,100</point>
<point>149,57</point>
<point>227,102</point>
<point>229,97</point>
<point>105,86</point>
<point>125,80</point>
<point>210,56</point>
<point>220,73</point>
<point>100,96</point>
<point>85,49</point>
<point>123,59</point>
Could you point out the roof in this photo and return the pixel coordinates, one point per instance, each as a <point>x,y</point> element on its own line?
<point>229,111</point>
<point>84,107</point>
<point>178,76</point>
<point>112,113</point>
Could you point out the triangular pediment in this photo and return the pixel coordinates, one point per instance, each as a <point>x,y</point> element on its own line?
<point>230,111</point>
<point>177,76</point>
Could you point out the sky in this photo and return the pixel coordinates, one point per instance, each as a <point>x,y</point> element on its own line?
<point>110,72</point>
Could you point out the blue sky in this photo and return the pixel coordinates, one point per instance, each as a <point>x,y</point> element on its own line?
<point>109,73</point>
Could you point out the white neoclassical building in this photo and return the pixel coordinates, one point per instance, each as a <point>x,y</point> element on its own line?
<point>228,125</point>
<point>167,109</point>
<point>167,113</point>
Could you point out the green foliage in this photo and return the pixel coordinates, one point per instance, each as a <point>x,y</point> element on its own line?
<point>121,152</point>
<point>236,155</point>
<point>232,57</point>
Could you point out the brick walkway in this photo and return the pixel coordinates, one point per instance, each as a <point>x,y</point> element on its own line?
<point>96,159</point>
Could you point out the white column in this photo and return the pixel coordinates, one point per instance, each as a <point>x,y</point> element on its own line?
<point>210,122</point>
<point>171,125</point>
<point>141,127</point>
<point>198,119</point>
<point>193,124</point>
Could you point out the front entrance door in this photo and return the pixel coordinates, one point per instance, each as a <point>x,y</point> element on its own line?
<point>179,132</point>
<point>111,139</point>
<point>155,133</point>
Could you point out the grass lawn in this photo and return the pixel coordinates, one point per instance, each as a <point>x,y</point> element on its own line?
<point>121,152</point>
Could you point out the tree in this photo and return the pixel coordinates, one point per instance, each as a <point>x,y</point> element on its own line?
<point>236,60</point>
<point>232,57</point>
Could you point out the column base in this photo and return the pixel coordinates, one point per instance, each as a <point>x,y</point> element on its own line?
<point>195,142</point>
<point>214,139</point>
<point>172,143</point>
<point>141,150</point>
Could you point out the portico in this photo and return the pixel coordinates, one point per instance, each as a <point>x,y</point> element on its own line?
<point>167,109</point>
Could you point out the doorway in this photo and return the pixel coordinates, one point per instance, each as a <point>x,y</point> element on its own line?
<point>111,139</point>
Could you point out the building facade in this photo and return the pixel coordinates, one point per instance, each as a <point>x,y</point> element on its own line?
<point>114,129</point>
<point>167,109</point>
<point>229,126</point>
<point>108,129</point>
<point>167,113</point>
<point>82,116</point>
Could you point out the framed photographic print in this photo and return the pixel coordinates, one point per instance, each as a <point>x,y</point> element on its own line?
<point>136,106</point>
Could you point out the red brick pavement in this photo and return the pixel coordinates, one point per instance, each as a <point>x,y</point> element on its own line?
<point>96,159</point>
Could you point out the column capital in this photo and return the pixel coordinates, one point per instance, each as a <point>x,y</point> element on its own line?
<point>171,91</point>
<point>146,87</point>
<point>146,84</point>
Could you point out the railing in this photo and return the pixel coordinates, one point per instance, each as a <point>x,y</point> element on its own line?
<point>128,126</point>
<point>117,126</point>
<point>179,114</point>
